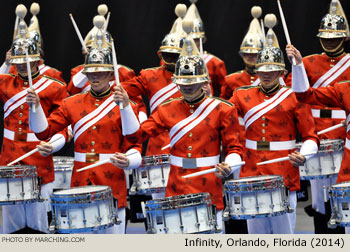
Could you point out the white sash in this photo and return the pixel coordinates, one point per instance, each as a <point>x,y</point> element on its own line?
<point>348,123</point>
<point>257,82</point>
<point>43,68</point>
<point>256,112</point>
<point>20,98</point>
<point>333,73</point>
<point>207,58</point>
<point>84,123</point>
<point>178,131</point>
<point>162,95</point>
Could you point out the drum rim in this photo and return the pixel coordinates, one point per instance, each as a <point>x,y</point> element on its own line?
<point>18,171</point>
<point>234,181</point>
<point>106,189</point>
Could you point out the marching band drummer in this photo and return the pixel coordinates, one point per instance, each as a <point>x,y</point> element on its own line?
<point>197,146</point>
<point>18,137</point>
<point>97,128</point>
<point>322,70</point>
<point>267,109</point>
<point>34,33</point>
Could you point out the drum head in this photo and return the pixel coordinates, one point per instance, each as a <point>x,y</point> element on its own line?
<point>257,178</point>
<point>345,185</point>
<point>82,190</point>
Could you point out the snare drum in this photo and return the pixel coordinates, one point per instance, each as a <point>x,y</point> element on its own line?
<point>254,197</point>
<point>183,214</point>
<point>327,161</point>
<point>18,184</point>
<point>83,209</point>
<point>152,176</point>
<point>63,171</point>
<point>340,204</point>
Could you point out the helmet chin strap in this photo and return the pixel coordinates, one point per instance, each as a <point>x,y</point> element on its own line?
<point>101,81</point>
<point>34,69</point>
<point>339,48</point>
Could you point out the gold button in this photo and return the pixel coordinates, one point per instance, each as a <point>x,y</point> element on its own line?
<point>20,114</point>
<point>332,60</point>
<point>25,83</point>
<point>263,124</point>
<point>263,118</point>
<point>189,155</point>
<point>263,139</point>
<point>24,88</point>
<point>96,105</point>
<point>263,131</point>
<point>252,77</point>
<point>92,142</point>
<point>19,122</point>
<point>191,110</point>
<point>93,127</point>
<point>97,99</point>
<point>331,65</point>
<point>251,82</point>
<point>20,129</point>
<point>21,107</point>
<point>191,106</point>
<point>265,99</point>
<point>92,150</point>
<point>189,147</point>
<point>190,134</point>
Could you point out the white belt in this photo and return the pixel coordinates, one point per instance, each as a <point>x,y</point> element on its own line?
<point>14,136</point>
<point>91,157</point>
<point>272,146</point>
<point>193,163</point>
<point>347,143</point>
<point>328,113</point>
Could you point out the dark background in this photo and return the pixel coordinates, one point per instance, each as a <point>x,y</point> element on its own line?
<point>138,27</point>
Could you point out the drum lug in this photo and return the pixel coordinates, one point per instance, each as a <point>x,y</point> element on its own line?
<point>225,215</point>
<point>117,221</point>
<point>8,195</point>
<point>166,229</point>
<point>132,190</point>
<point>52,227</point>
<point>332,223</point>
<point>290,209</point>
<point>197,225</point>
<point>99,219</point>
<point>22,194</point>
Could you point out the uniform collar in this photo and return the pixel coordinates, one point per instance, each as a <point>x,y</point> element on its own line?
<point>34,76</point>
<point>335,55</point>
<point>197,100</point>
<point>101,95</point>
<point>271,90</point>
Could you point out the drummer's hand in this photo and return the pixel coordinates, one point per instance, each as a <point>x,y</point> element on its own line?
<point>223,170</point>
<point>344,124</point>
<point>292,52</point>
<point>120,95</point>
<point>120,160</point>
<point>207,89</point>
<point>45,149</point>
<point>296,159</point>
<point>8,57</point>
<point>32,98</point>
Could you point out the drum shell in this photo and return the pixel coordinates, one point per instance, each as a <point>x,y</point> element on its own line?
<point>63,172</point>
<point>339,195</point>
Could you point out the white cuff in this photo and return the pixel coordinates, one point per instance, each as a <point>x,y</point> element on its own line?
<point>300,82</point>
<point>233,159</point>
<point>130,124</point>
<point>142,116</point>
<point>80,79</point>
<point>5,69</point>
<point>309,146</point>
<point>135,159</point>
<point>37,121</point>
<point>58,144</point>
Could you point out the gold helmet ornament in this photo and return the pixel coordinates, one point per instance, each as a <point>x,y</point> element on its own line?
<point>270,58</point>
<point>198,27</point>
<point>34,30</point>
<point>173,41</point>
<point>190,68</point>
<point>23,42</point>
<point>99,57</point>
<point>334,24</point>
<point>253,40</point>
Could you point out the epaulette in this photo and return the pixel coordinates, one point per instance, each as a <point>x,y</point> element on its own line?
<point>128,68</point>
<point>75,95</point>
<point>238,72</point>
<point>246,87</point>
<point>223,100</point>
<point>49,77</point>
<point>310,55</point>
<point>344,81</point>
<point>171,100</point>
<point>150,68</point>
<point>12,75</point>
<point>134,103</point>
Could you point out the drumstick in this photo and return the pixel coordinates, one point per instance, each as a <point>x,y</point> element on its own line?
<point>78,33</point>
<point>116,73</point>
<point>281,159</point>
<point>102,162</point>
<point>29,72</point>
<point>330,128</point>
<point>208,171</point>
<point>165,147</point>
<point>285,27</point>
<point>30,153</point>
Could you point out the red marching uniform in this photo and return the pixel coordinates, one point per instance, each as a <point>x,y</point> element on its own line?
<point>200,144</point>
<point>333,96</point>
<point>265,138</point>
<point>317,66</point>
<point>96,137</point>
<point>18,138</point>
<point>157,85</point>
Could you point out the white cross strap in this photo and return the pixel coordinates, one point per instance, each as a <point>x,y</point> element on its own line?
<point>43,68</point>
<point>207,58</point>
<point>87,121</point>
<point>162,95</point>
<point>256,112</point>
<point>333,73</point>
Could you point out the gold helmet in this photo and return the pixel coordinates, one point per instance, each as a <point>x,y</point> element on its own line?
<point>22,41</point>
<point>334,24</point>
<point>102,10</point>
<point>253,40</point>
<point>99,57</point>
<point>270,58</point>
<point>190,68</point>
<point>173,41</point>
<point>198,27</point>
